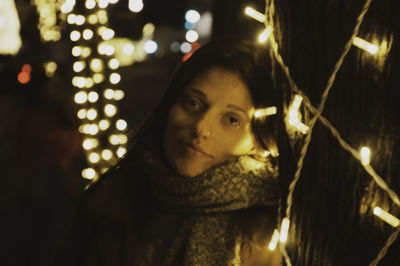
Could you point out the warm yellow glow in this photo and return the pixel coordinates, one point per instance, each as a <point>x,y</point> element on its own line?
<point>108,94</point>
<point>121,152</point>
<point>148,29</point>
<point>89,83</point>
<point>284,229</point>
<point>367,46</point>
<point>265,112</point>
<point>118,95</point>
<point>80,97</point>
<point>91,129</point>
<point>266,153</point>
<point>123,139</point>
<point>80,20</point>
<point>115,78</point>
<point>50,68</point>
<point>96,65</point>
<point>98,78</point>
<point>254,14</point>
<point>86,51</point>
<point>114,139</point>
<point>105,49</point>
<point>76,51</point>
<point>135,5</point>
<point>106,154</point>
<point>102,15</point>
<point>110,109</point>
<point>90,4</point>
<point>71,19</point>
<point>89,173</point>
<point>75,35</point>
<point>91,114</point>
<point>107,34</point>
<point>387,217</point>
<point>128,49</point>
<point>104,124</point>
<point>67,6</point>
<point>87,34</point>
<point>93,97</point>
<point>365,155</point>
<point>81,114</point>
<point>103,3</point>
<point>251,164</point>
<point>192,36</point>
<point>274,240</point>
<point>113,63</point>
<point>294,115</point>
<point>121,124</point>
<point>79,82</point>
<point>90,143</point>
<point>94,157</point>
<point>263,37</point>
<point>78,66</point>
<point>92,19</point>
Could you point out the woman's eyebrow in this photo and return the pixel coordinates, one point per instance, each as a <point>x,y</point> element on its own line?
<point>237,108</point>
<point>198,92</point>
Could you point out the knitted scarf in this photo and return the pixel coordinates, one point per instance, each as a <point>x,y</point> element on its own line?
<point>205,236</point>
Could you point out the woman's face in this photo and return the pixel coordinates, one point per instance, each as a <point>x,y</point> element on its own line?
<point>210,122</point>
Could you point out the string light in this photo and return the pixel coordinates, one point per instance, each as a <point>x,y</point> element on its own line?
<point>294,115</point>
<point>263,37</point>
<point>254,14</point>
<point>94,157</point>
<point>363,44</point>
<point>113,63</point>
<point>115,78</point>
<point>93,96</point>
<point>121,124</point>
<point>89,173</point>
<point>87,34</point>
<point>104,124</point>
<point>265,112</point>
<point>78,66</point>
<point>135,5</point>
<point>284,230</point>
<point>192,36</point>
<point>90,143</point>
<point>365,154</point>
<point>110,110</point>
<point>121,152</point>
<point>80,97</point>
<point>387,217</point>
<point>91,114</point>
<point>75,35</point>
<point>106,154</point>
<point>76,51</point>
<point>274,240</point>
<point>118,95</point>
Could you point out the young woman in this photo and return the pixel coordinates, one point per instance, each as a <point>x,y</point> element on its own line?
<point>199,184</point>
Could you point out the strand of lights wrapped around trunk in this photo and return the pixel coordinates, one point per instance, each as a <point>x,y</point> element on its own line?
<point>97,94</point>
<point>363,156</point>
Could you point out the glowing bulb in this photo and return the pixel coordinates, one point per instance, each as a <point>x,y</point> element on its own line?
<point>71,19</point>
<point>128,49</point>
<point>367,46</point>
<point>122,139</point>
<point>110,109</point>
<point>80,97</point>
<point>104,124</point>
<point>365,155</point>
<point>192,16</point>
<point>86,51</point>
<point>263,37</point>
<point>284,229</point>
<point>113,63</point>
<point>387,217</point>
<point>81,113</point>
<point>96,65</point>
<point>121,152</point>
<point>186,47</point>
<point>76,51</point>
<point>106,154</point>
<point>192,36</point>
<point>90,143</point>
<point>88,173</point>
<point>79,82</point>
<point>294,115</point>
<point>108,94</point>
<point>274,240</point>
<point>93,96</point>
<point>118,95</point>
<point>92,19</point>
<point>98,77</point>
<point>265,112</point>
<point>114,139</point>
<point>78,66</point>
<point>91,114</point>
<point>102,15</point>
<point>103,3</point>
<point>135,5</point>
<point>75,35</point>
<point>90,4</point>
<point>94,157</point>
<point>148,29</point>
<point>150,47</point>
<point>105,49</point>
<point>87,34</point>
<point>107,34</point>
<point>80,20</point>
<point>254,14</point>
<point>89,83</point>
<point>121,124</point>
<point>115,78</point>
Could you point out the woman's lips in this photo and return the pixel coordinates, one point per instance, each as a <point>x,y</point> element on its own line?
<point>196,151</point>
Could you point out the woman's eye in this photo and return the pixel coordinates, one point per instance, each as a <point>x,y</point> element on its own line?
<point>233,121</point>
<point>192,104</point>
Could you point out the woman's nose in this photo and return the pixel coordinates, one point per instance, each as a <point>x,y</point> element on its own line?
<point>202,126</point>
